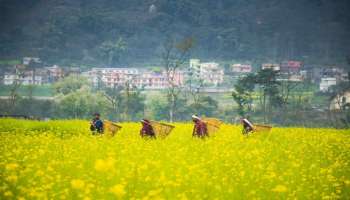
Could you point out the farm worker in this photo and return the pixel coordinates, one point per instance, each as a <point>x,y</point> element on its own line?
<point>247,126</point>
<point>200,128</point>
<point>147,129</point>
<point>96,124</point>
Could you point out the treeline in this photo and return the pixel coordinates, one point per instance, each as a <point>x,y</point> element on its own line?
<point>117,32</point>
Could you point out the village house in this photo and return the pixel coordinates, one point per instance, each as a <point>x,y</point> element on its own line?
<point>210,72</point>
<point>273,66</point>
<point>26,78</point>
<point>291,78</point>
<point>332,76</point>
<point>241,68</point>
<point>291,67</point>
<point>54,73</point>
<point>28,60</point>
<point>326,83</point>
<point>112,77</point>
<point>335,72</point>
<point>158,80</point>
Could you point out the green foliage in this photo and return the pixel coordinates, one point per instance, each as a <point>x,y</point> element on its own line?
<point>66,32</point>
<point>81,104</point>
<point>113,50</point>
<point>39,90</point>
<point>242,94</point>
<point>70,84</point>
<point>266,79</point>
<point>206,106</point>
<point>9,62</point>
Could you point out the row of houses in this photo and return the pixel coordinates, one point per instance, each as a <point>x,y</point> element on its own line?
<point>208,73</point>
<point>39,76</point>
<point>325,77</point>
<point>113,77</point>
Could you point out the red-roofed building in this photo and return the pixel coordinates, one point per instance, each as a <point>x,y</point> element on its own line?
<point>291,66</point>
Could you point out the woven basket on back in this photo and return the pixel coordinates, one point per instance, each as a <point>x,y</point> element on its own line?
<point>111,128</point>
<point>213,124</point>
<point>262,128</point>
<point>161,130</point>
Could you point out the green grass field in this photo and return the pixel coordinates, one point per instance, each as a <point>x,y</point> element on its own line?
<point>61,160</point>
<point>41,90</point>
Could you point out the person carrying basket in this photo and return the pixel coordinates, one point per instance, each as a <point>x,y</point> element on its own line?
<point>247,126</point>
<point>147,129</point>
<point>200,129</point>
<point>96,125</point>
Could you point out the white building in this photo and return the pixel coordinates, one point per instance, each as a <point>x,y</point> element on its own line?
<point>273,66</point>
<point>27,78</point>
<point>112,77</point>
<point>27,60</point>
<point>326,83</point>
<point>54,73</point>
<point>209,72</point>
<point>158,80</point>
<point>241,68</point>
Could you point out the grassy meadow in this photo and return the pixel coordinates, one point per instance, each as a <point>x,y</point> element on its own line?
<point>61,160</point>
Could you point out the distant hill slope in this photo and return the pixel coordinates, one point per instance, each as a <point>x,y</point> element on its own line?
<point>79,31</point>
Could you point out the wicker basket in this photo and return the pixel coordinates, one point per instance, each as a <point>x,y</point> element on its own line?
<point>161,130</point>
<point>111,128</point>
<point>262,128</point>
<point>213,124</point>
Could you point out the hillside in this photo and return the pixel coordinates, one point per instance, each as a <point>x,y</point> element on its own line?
<point>64,31</point>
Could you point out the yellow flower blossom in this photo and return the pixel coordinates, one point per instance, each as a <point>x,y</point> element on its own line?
<point>104,165</point>
<point>118,190</point>
<point>280,188</point>
<point>77,184</point>
<point>11,166</point>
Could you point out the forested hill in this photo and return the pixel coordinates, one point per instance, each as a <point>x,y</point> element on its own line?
<point>79,31</point>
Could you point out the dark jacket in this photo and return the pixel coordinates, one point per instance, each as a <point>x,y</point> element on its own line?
<point>97,125</point>
<point>200,129</point>
<point>147,130</point>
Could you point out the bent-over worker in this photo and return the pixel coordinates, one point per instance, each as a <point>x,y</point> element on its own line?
<point>200,128</point>
<point>247,126</point>
<point>147,129</point>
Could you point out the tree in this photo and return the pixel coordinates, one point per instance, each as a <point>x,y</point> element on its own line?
<point>70,84</point>
<point>194,86</point>
<point>132,102</point>
<point>15,86</point>
<point>205,106</point>
<point>81,104</point>
<point>174,56</point>
<point>242,94</point>
<point>112,50</point>
<point>115,97</point>
<point>126,101</point>
<point>266,79</point>
<point>135,105</point>
<point>75,99</point>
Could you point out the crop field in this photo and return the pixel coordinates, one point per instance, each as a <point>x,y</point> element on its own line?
<point>61,160</point>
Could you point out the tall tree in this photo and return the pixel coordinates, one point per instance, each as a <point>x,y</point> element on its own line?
<point>174,56</point>
<point>243,94</point>
<point>266,79</point>
<point>112,50</point>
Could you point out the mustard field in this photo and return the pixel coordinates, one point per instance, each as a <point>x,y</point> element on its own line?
<point>61,160</point>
